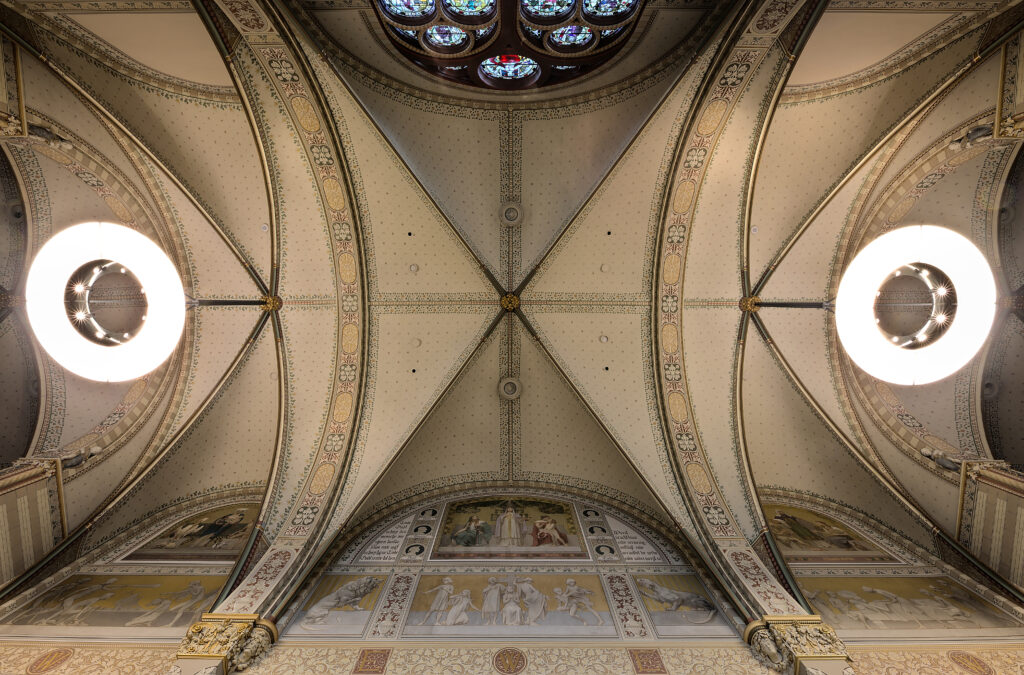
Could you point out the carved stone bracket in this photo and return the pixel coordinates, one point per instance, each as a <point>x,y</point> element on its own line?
<point>237,640</point>
<point>784,642</point>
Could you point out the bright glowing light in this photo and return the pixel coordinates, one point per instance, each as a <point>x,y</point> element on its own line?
<point>44,301</point>
<point>970,275</point>
<point>79,288</point>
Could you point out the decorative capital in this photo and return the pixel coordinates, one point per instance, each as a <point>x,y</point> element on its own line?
<point>272,303</point>
<point>8,299</point>
<point>510,302</point>
<point>751,303</point>
<point>238,640</point>
<point>779,642</point>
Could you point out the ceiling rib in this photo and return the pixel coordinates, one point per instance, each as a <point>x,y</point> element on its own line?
<point>852,171</point>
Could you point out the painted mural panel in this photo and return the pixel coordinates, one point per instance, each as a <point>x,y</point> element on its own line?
<point>509,527</point>
<point>910,603</point>
<point>148,601</point>
<point>808,537</point>
<point>341,604</point>
<point>217,535</point>
<point>677,603</point>
<point>505,605</point>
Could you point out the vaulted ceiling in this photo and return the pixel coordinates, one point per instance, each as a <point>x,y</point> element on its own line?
<point>700,165</point>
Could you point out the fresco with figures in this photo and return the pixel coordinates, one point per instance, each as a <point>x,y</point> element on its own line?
<point>480,566</point>
<point>341,604</point>
<point>900,603</point>
<point>131,601</point>
<point>678,604</point>
<point>515,603</point>
<point>808,537</point>
<point>509,527</point>
<point>217,536</point>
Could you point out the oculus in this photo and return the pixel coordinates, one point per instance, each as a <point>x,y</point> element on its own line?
<point>959,302</point>
<point>105,302</point>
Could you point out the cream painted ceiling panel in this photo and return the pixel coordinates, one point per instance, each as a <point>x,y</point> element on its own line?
<point>938,498</point>
<point>88,487</point>
<point>201,151</point>
<point>627,205</point>
<point>615,379</point>
<point>231,445</point>
<point>844,42</point>
<point>974,95</point>
<point>173,43</point>
<point>790,448</point>
<point>565,158</point>
<point>459,441</point>
<point>220,333</point>
<point>811,145</point>
<point>52,99</point>
<point>401,227</point>
<point>806,271</point>
<point>412,360</point>
<point>455,152</point>
<point>709,357</point>
<point>215,270</point>
<point>559,436</point>
<point>311,350</point>
<point>1004,389</point>
<point>952,203</point>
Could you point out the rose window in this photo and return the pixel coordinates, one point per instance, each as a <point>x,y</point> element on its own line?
<point>508,44</point>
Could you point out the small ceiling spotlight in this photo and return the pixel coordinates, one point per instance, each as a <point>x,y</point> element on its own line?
<point>961,304</point>
<point>81,332</point>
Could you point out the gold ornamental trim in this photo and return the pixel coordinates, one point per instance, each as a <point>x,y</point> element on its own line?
<point>510,302</point>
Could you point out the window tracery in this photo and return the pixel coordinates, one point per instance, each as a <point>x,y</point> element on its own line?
<point>508,44</point>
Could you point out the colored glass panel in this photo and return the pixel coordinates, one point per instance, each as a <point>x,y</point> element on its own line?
<point>607,7</point>
<point>509,67</point>
<point>445,36</point>
<point>469,7</point>
<point>484,32</point>
<point>572,36</point>
<point>547,7</point>
<point>413,8</point>
<point>609,34</point>
<point>532,31</point>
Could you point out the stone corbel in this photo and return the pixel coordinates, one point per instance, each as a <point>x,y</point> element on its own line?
<point>802,645</point>
<point>234,642</point>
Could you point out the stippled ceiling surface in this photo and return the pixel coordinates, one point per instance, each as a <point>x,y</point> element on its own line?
<point>728,150</point>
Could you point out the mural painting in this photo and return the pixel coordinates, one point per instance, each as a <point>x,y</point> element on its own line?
<point>212,536</point>
<point>887,603</point>
<point>341,604</point>
<point>808,537</point>
<point>677,603</point>
<point>520,605</point>
<point>147,601</point>
<point>509,527</point>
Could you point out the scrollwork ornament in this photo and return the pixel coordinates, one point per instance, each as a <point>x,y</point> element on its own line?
<point>232,638</point>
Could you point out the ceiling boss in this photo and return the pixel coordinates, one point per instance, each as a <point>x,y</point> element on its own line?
<point>508,44</point>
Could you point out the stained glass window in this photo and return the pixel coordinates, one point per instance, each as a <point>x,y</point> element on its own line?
<point>484,32</point>
<point>572,36</point>
<point>446,36</point>
<point>609,34</point>
<point>547,7</point>
<point>509,67</point>
<point>564,67</point>
<point>469,7</point>
<point>413,8</point>
<point>607,7</point>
